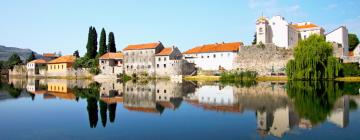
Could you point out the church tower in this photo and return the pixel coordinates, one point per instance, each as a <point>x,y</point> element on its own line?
<point>262,31</point>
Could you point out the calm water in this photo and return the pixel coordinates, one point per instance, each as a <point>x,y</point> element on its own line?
<point>70,109</point>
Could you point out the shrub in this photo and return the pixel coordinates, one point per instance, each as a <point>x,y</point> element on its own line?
<point>350,69</point>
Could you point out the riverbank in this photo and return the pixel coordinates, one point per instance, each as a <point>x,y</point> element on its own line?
<point>263,78</point>
<point>217,78</point>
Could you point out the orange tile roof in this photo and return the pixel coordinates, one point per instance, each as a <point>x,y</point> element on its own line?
<point>112,100</point>
<point>306,26</point>
<point>63,59</point>
<point>111,55</point>
<point>49,55</point>
<point>142,46</point>
<point>142,109</point>
<point>217,47</point>
<point>38,61</point>
<point>165,51</point>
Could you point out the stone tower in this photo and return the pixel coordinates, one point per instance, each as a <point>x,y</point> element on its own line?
<point>262,30</point>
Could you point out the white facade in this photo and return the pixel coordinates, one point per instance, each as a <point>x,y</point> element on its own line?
<point>214,96</point>
<point>276,31</point>
<point>340,36</point>
<point>213,60</point>
<point>306,29</point>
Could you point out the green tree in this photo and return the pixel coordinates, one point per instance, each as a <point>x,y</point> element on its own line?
<point>313,60</point>
<point>111,43</point>
<point>13,60</point>
<point>31,57</point>
<point>91,45</point>
<point>76,54</point>
<point>102,42</point>
<point>353,41</point>
<point>255,39</point>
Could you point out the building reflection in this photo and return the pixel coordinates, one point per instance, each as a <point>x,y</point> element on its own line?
<point>277,108</point>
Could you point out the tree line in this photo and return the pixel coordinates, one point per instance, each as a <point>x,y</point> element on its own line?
<point>90,60</point>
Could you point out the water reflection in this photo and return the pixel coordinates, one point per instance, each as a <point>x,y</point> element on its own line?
<point>278,107</point>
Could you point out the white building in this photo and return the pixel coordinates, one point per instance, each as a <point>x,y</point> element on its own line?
<point>276,31</point>
<point>339,36</point>
<point>218,56</point>
<point>306,29</point>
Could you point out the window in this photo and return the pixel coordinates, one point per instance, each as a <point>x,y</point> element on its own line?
<point>164,58</point>
<point>164,91</point>
<point>159,59</point>
<point>202,56</point>
<point>158,91</point>
<point>149,66</point>
<point>208,56</point>
<point>164,65</point>
<point>102,61</point>
<point>157,65</point>
<point>214,55</point>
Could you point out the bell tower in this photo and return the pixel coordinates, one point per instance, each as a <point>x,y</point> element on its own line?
<point>262,30</point>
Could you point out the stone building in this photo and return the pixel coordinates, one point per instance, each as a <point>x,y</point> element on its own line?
<point>111,64</point>
<point>169,63</point>
<point>36,67</point>
<point>153,59</point>
<point>140,58</point>
<point>218,56</point>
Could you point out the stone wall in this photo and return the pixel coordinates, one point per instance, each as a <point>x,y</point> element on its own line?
<point>265,60</point>
<point>18,71</point>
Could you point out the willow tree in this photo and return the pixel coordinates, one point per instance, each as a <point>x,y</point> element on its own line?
<point>313,60</point>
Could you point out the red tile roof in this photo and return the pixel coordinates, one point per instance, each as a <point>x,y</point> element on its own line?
<point>49,55</point>
<point>217,47</point>
<point>142,109</point>
<point>63,59</point>
<point>142,46</point>
<point>305,26</point>
<point>111,55</point>
<point>165,51</point>
<point>38,61</point>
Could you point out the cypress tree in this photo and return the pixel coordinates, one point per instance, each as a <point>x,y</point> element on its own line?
<point>102,42</point>
<point>111,43</point>
<point>91,45</point>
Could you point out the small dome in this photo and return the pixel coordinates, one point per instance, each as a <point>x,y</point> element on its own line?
<point>262,19</point>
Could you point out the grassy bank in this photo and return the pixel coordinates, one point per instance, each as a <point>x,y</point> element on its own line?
<point>348,79</point>
<point>271,78</point>
<point>202,78</point>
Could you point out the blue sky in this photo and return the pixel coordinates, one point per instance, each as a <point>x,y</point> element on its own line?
<point>52,26</point>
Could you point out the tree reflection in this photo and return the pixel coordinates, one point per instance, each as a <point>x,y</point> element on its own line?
<point>112,112</point>
<point>103,112</point>
<point>92,109</point>
<point>314,100</point>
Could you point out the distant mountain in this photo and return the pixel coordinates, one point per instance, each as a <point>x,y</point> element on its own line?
<point>6,52</point>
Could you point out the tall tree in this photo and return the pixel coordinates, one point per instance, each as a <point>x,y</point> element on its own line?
<point>13,60</point>
<point>111,43</point>
<point>31,57</point>
<point>255,39</point>
<point>353,41</point>
<point>102,42</point>
<point>76,54</point>
<point>313,60</point>
<point>91,45</point>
